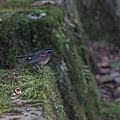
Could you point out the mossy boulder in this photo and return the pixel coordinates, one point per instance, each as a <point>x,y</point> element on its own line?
<point>31,29</point>
<point>24,31</point>
<point>35,86</point>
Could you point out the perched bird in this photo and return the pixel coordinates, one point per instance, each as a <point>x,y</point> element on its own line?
<point>42,57</point>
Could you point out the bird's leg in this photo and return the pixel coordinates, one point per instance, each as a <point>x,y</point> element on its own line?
<point>38,67</point>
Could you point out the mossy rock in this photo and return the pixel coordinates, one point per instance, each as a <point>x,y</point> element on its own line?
<point>24,31</point>
<point>81,100</point>
<point>34,85</point>
<point>111,109</point>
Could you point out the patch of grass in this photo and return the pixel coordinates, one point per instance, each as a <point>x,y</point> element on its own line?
<point>34,85</point>
<point>112,108</point>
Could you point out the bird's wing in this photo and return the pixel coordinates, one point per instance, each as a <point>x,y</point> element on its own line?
<point>39,52</point>
<point>24,56</point>
<point>37,59</point>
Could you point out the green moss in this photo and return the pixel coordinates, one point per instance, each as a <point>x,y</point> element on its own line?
<point>80,78</point>
<point>35,86</point>
<point>16,4</point>
<point>26,33</point>
<point>111,108</point>
<point>81,100</point>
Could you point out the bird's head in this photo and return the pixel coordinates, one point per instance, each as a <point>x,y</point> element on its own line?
<point>48,51</point>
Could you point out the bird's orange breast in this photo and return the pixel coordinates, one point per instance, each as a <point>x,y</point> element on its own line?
<point>45,61</point>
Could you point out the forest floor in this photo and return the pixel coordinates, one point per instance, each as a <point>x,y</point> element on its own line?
<point>106,65</point>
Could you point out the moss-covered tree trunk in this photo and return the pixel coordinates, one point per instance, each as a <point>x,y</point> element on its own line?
<point>82,98</point>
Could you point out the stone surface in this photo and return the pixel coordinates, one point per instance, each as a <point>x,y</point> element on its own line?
<point>115,74</point>
<point>117,80</point>
<point>105,78</point>
<point>117,92</point>
<point>24,113</point>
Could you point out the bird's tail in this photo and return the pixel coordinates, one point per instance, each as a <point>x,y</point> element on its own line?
<point>24,56</point>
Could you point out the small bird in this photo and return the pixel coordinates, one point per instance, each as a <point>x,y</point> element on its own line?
<point>42,57</point>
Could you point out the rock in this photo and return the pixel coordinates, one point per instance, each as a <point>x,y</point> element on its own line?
<point>117,69</point>
<point>24,113</point>
<point>106,59</point>
<point>103,91</point>
<point>105,97</point>
<point>117,92</point>
<point>97,76</point>
<point>102,64</point>
<point>117,99</point>
<point>38,3</point>
<point>115,74</point>
<point>105,78</point>
<point>117,80</point>
<point>109,85</point>
<point>104,70</point>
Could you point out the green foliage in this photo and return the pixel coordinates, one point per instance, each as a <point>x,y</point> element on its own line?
<point>35,86</point>
<point>111,108</point>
